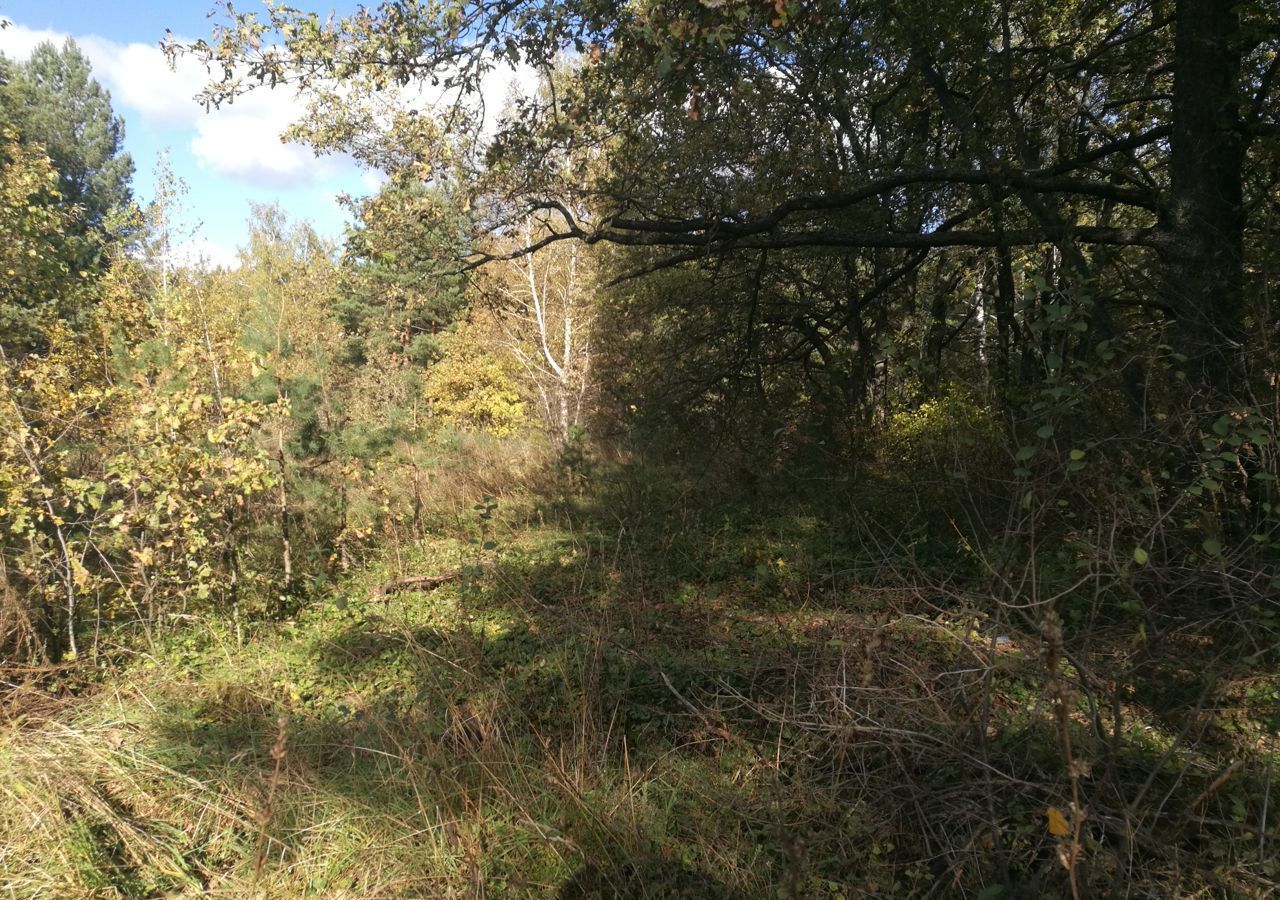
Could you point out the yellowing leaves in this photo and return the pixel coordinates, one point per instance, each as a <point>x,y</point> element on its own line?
<point>1058,824</point>
<point>474,385</point>
<point>79,574</point>
<point>35,291</point>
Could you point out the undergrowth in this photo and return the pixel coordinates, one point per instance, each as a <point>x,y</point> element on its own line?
<point>642,691</point>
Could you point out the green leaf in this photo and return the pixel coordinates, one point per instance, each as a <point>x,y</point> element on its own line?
<point>1212,546</point>
<point>1044,432</point>
<point>1025,453</point>
<point>1140,556</point>
<point>663,68</point>
<point>1077,455</point>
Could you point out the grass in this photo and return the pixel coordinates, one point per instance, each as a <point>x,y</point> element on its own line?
<point>610,704</point>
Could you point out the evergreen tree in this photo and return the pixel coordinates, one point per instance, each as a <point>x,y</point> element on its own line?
<point>402,288</point>
<point>56,103</point>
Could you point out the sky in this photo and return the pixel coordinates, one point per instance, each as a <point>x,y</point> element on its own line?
<point>229,158</point>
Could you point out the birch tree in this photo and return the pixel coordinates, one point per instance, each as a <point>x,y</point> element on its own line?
<point>545,306</point>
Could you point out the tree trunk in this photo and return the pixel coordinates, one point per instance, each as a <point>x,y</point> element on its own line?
<point>1204,222</point>
<point>935,340</point>
<point>282,498</point>
<point>1006,303</point>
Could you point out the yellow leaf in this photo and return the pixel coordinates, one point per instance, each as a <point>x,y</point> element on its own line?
<point>1058,825</point>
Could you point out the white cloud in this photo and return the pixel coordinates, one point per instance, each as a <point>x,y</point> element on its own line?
<point>373,180</point>
<point>140,78</point>
<point>17,41</point>
<point>240,140</point>
<point>138,75</point>
<point>243,140</point>
<point>499,86</point>
<point>203,254</point>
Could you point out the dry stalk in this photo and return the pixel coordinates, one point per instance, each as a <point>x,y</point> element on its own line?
<point>1051,629</point>
<point>278,751</point>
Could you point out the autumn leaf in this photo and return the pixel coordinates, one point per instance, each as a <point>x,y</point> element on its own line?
<point>1058,825</point>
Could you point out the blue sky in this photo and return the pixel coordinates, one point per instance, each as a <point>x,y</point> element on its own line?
<point>229,158</point>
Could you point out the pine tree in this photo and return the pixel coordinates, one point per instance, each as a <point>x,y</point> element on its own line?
<point>56,103</point>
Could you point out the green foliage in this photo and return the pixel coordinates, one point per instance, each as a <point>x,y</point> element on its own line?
<point>400,287</point>
<point>124,496</point>
<point>637,706</point>
<point>915,523</point>
<point>56,104</point>
<point>181,493</point>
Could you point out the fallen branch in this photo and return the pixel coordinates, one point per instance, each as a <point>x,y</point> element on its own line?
<point>414,583</point>
<point>1227,775</point>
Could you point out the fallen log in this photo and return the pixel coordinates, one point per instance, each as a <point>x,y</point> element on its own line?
<point>413,583</point>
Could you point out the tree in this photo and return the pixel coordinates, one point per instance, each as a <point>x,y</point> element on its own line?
<point>880,136</point>
<point>285,283</point>
<point>1204,216</point>
<point>159,233</point>
<point>545,305</point>
<point>398,294</point>
<point>475,385</point>
<point>40,283</point>
<point>122,482</point>
<point>57,104</point>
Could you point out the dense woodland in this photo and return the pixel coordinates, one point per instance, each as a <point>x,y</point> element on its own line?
<point>802,450</point>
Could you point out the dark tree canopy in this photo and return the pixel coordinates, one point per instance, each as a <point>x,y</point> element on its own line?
<point>1110,133</point>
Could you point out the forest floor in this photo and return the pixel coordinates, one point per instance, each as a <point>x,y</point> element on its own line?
<point>609,706</point>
